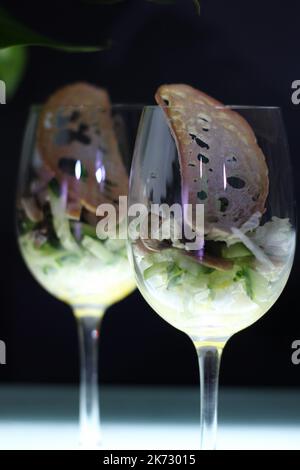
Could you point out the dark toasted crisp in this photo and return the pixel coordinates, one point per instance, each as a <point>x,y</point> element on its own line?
<point>76,125</point>
<point>220,162</point>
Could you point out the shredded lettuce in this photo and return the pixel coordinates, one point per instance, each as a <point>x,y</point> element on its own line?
<point>61,223</point>
<point>253,248</point>
<point>275,238</point>
<point>253,256</point>
<point>231,238</point>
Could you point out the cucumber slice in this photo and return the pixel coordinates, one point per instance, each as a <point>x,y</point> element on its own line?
<point>193,267</point>
<point>221,279</point>
<point>243,274</point>
<point>187,264</point>
<point>260,286</point>
<point>97,249</point>
<point>256,285</point>
<point>115,244</point>
<point>238,250</point>
<point>157,268</point>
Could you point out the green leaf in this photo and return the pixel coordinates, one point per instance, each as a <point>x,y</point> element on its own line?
<point>197,6</point>
<point>12,66</point>
<point>13,33</point>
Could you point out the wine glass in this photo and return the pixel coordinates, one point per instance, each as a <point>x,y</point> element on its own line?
<point>215,282</point>
<point>59,190</point>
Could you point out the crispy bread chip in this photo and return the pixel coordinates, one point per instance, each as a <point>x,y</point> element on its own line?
<point>221,164</point>
<point>77,143</point>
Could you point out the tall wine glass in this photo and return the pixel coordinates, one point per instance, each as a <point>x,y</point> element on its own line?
<point>57,197</point>
<point>214,290</point>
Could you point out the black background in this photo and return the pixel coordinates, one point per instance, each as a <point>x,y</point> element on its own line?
<point>240,52</point>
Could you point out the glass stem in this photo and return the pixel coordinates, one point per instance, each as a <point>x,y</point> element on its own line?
<point>89,415</point>
<point>209,364</point>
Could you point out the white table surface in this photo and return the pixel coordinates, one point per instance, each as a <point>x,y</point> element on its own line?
<point>149,418</point>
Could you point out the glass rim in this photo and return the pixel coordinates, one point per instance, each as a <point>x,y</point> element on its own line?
<point>121,106</point>
<point>141,106</point>
<point>225,106</point>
